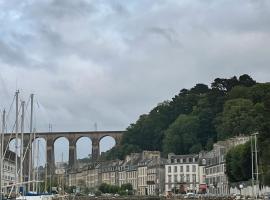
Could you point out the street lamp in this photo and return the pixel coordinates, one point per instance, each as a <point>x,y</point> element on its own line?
<point>240,188</point>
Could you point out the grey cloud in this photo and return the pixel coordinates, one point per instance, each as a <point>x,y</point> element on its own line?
<point>110,61</point>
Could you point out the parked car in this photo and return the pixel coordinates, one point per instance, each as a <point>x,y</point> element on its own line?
<point>189,195</point>
<point>91,195</point>
<point>266,196</point>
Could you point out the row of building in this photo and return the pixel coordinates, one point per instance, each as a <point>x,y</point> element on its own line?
<point>150,174</point>
<point>8,176</point>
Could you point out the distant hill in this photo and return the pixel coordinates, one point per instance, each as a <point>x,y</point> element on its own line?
<point>196,118</point>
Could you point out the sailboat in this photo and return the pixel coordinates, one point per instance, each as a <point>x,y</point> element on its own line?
<point>19,183</point>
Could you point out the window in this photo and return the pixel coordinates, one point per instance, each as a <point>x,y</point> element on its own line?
<point>175,178</point>
<point>203,161</point>
<point>187,178</point>
<point>193,168</point>
<point>175,168</point>
<point>184,160</point>
<point>169,169</point>
<point>172,160</point>
<point>182,178</point>
<point>169,178</point>
<point>181,168</point>
<point>194,178</point>
<point>187,168</point>
<point>190,160</point>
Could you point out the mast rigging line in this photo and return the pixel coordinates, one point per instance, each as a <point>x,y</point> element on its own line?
<point>12,130</point>
<point>11,134</point>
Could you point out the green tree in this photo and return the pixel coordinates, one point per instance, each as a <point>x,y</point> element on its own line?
<point>237,118</point>
<point>127,186</point>
<point>246,80</point>
<point>182,135</point>
<point>238,163</point>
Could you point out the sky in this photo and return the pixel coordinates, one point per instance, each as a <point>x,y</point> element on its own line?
<point>107,62</point>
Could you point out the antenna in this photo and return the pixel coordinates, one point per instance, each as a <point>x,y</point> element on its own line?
<point>95,126</point>
<point>50,128</point>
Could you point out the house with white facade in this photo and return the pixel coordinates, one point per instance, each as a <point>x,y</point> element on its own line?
<point>184,173</point>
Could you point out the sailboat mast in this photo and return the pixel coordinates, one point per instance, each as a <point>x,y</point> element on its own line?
<point>30,142</point>
<point>37,165</point>
<point>2,151</point>
<point>16,139</point>
<point>34,160</point>
<point>22,142</point>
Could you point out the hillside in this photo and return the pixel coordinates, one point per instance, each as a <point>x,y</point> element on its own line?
<point>196,118</point>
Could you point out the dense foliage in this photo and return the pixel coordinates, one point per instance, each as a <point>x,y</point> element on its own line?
<point>236,158</point>
<point>125,189</point>
<point>196,118</point>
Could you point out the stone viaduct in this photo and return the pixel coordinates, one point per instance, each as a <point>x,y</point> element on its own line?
<point>73,137</point>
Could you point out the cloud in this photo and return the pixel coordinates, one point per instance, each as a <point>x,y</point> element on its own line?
<point>110,61</point>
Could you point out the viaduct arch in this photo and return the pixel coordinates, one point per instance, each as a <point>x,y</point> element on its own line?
<point>73,137</point>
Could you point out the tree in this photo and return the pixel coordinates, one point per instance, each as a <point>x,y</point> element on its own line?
<point>225,85</point>
<point>239,91</point>
<point>127,186</point>
<point>199,89</point>
<point>264,141</point>
<point>246,80</point>
<point>182,135</point>
<point>238,163</point>
<point>237,118</point>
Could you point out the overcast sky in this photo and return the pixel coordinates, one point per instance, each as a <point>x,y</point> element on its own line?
<point>109,61</point>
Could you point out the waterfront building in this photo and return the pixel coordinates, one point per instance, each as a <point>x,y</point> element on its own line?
<point>122,174</point>
<point>184,173</point>
<point>109,172</point>
<point>142,177</point>
<point>216,178</point>
<point>156,176</point>
<point>87,176</point>
<point>8,177</point>
<point>148,179</point>
<point>131,167</point>
<point>92,180</point>
<point>144,171</point>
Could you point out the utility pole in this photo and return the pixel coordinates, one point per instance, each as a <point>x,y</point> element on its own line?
<point>30,142</point>
<point>34,161</point>
<point>254,150</point>
<point>22,143</point>
<point>256,162</point>
<point>252,166</point>
<point>16,139</point>
<point>2,151</point>
<point>37,166</point>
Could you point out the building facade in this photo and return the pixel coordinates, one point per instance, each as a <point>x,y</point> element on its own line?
<point>184,173</point>
<point>156,176</point>
<point>216,178</point>
<point>8,177</point>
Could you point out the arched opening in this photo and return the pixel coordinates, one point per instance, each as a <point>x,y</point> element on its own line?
<point>106,143</point>
<point>61,152</point>
<point>39,152</point>
<point>84,150</point>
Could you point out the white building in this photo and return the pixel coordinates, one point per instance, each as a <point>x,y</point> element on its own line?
<point>184,173</point>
